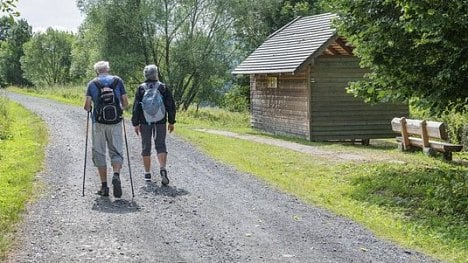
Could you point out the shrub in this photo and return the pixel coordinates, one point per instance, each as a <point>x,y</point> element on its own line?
<point>456,121</point>
<point>237,99</point>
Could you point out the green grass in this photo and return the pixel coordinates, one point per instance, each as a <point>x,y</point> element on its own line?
<point>67,94</point>
<point>21,157</point>
<point>419,202</point>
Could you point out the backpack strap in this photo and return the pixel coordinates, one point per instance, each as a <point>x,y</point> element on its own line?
<point>161,86</point>
<point>99,84</point>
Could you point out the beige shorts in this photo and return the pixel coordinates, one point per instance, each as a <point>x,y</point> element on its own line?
<point>107,137</point>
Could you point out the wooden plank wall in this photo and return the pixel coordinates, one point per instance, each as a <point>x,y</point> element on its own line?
<point>281,110</point>
<point>336,115</point>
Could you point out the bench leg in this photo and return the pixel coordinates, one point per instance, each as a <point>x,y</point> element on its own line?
<point>429,151</point>
<point>448,156</point>
<point>401,147</point>
<point>365,142</point>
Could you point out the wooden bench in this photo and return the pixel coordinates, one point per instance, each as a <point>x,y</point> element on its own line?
<point>431,136</point>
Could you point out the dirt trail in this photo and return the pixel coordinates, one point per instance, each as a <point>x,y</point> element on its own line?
<point>210,212</point>
<point>339,156</point>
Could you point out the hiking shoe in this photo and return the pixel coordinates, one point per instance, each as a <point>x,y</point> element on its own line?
<point>164,179</point>
<point>117,187</point>
<point>104,191</point>
<point>148,176</point>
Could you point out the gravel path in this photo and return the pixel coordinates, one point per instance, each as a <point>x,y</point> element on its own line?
<point>338,156</point>
<point>209,213</point>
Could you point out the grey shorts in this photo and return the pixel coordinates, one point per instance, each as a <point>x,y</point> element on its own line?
<point>158,131</point>
<point>107,137</point>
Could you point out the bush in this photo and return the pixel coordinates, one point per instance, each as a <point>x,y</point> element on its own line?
<point>457,123</point>
<point>457,126</point>
<point>237,99</point>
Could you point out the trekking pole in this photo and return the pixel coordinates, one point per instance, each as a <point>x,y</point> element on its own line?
<point>86,151</point>
<point>128,156</point>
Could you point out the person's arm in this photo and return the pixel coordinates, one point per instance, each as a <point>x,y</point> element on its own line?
<point>124,101</point>
<point>170,109</point>
<point>87,103</point>
<point>88,99</point>
<point>136,112</point>
<point>123,92</point>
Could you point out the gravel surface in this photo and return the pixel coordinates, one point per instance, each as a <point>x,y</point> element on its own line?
<point>209,213</point>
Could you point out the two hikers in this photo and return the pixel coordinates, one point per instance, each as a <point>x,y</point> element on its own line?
<point>106,97</point>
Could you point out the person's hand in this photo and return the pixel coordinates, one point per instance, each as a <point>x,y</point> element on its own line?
<point>137,129</point>
<point>170,127</point>
<point>88,109</point>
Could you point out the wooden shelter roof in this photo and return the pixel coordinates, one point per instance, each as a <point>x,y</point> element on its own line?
<point>294,45</point>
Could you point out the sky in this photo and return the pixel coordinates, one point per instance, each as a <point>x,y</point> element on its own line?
<point>58,14</point>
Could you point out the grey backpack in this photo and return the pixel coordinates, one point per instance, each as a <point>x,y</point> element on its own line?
<point>152,102</point>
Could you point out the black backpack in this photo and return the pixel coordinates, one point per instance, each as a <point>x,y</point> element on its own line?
<point>108,110</point>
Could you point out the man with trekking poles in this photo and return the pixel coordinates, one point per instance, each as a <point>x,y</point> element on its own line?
<point>106,98</point>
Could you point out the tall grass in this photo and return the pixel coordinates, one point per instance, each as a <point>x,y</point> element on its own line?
<point>214,118</point>
<point>21,157</point>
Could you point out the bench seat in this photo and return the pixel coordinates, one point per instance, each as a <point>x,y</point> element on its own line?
<point>439,146</point>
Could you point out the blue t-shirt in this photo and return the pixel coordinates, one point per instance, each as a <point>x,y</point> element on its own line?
<point>106,80</point>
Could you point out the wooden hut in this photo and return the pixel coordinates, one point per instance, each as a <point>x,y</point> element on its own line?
<point>298,78</point>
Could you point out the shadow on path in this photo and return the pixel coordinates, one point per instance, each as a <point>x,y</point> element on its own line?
<point>169,191</point>
<point>118,206</point>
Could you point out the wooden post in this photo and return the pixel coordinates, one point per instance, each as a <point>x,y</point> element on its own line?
<point>425,140</point>
<point>424,135</point>
<point>404,134</point>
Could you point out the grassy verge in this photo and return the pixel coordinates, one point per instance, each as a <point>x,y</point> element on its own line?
<point>67,94</point>
<point>420,202</point>
<point>21,157</point>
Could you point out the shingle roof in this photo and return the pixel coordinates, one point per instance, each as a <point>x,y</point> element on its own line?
<point>288,48</point>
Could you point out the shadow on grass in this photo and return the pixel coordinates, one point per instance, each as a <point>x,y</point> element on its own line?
<point>433,197</point>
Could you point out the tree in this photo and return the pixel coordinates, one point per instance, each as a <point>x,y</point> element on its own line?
<point>188,39</point>
<point>47,57</point>
<point>414,49</point>
<point>256,20</point>
<point>12,37</point>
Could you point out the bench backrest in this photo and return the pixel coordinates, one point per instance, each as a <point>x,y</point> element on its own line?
<point>436,130</point>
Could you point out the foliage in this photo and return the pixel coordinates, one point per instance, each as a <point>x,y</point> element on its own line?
<point>457,125</point>
<point>413,49</point>
<point>456,122</point>
<point>12,37</point>
<point>214,118</point>
<point>8,7</point>
<point>47,57</point>
<point>188,40</point>
<point>21,158</point>
<point>255,20</point>
<point>236,99</point>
